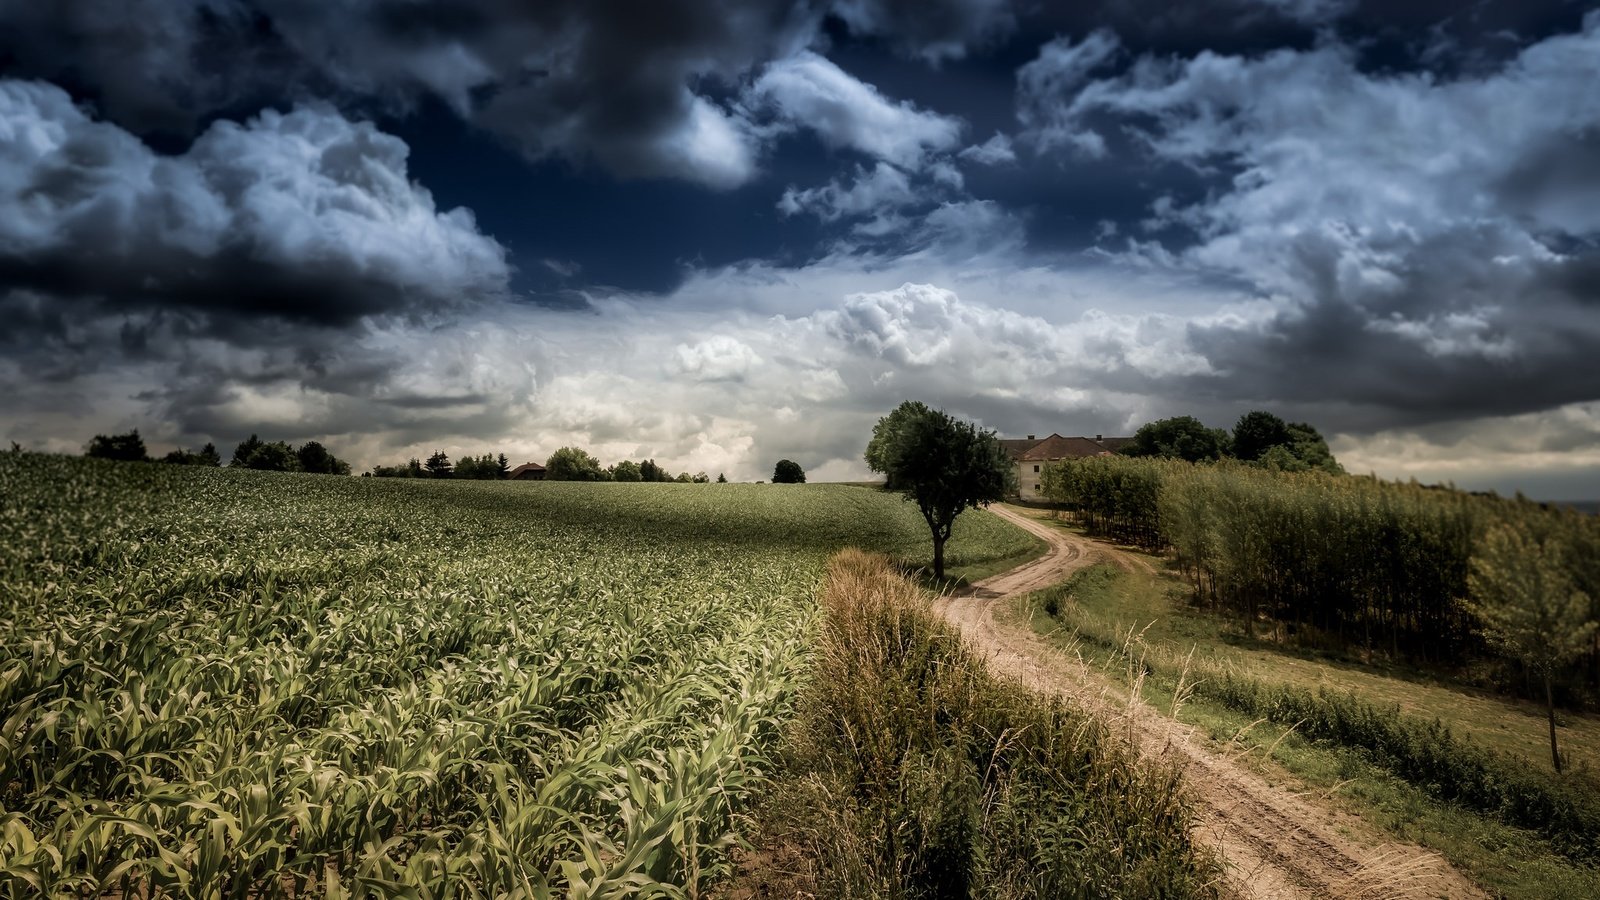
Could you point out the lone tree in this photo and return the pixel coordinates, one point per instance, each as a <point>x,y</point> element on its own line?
<point>943,463</point>
<point>787,471</point>
<point>1522,591</point>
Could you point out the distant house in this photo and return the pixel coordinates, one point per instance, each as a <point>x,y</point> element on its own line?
<point>527,472</point>
<point>1031,455</point>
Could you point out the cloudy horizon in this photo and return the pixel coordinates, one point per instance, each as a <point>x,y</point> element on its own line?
<point>717,234</point>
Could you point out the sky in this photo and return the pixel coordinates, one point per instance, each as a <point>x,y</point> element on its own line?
<point>720,233</point>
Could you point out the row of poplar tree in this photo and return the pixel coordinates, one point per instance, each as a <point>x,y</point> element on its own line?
<point>1424,573</point>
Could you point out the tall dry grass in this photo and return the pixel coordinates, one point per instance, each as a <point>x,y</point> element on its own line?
<point>916,773</point>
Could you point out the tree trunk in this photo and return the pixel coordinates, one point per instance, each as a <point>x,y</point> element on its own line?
<point>1550,707</point>
<point>938,563</point>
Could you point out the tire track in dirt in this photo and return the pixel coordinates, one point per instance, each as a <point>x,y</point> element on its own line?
<point>1273,843</point>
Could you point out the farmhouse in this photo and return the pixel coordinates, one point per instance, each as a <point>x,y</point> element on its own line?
<point>1031,455</point>
<point>527,472</point>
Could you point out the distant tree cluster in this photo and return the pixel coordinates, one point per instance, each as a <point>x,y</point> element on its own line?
<point>488,467</point>
<point>123,447</point>
<point>1260,438</point>
<point>206,456</point>
<point>279,456</point>
<point>272,456</point>
<point>566,464</point>
<point>575,464</point>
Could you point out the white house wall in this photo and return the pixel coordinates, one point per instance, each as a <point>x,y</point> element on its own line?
<point>1030,480</point>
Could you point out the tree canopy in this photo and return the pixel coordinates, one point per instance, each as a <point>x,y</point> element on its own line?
<point>573,464</point>
<point>207,456</point>
<point>314,457</point>
<point>1180,437</point>
<point>886,433</point>
<point>944,464</point>
<point>482,468</point>
<point>1267,440</point>
<point>1260,438</point>
<point>439,465</point>
<point>125,447</point>
<point>787,471</point>
<point>1524,594</point>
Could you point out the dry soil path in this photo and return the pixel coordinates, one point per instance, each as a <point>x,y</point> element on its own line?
<point>1274,843</point>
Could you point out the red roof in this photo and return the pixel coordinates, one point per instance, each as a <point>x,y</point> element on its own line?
<point>1015,447</point>
<point>1057,447</point>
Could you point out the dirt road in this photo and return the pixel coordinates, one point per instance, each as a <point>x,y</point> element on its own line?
<point>1274,843</point>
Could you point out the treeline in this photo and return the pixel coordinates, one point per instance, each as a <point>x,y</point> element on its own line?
<point>254,453</point>
<point>566,464</point>
<point>487,467</point>
<point>1420,573</point>
<point>1260,438</point>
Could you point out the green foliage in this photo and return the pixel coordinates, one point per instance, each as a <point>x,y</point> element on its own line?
<point>721,478</point>
<point>227,679</point>
<point>315,458</point>
<point>917,774</point>
<point>626,471</point>
<point>278,456</point>
<point>123,447</point>
<point>572,464</point>
<point>649,471</point>
<point>1319,558</point>
<point>1110,495</point>
<point>412,469</point>
<point>1257,432</point>
<point>271,456</point>
<point>1422,751</point>
<point>1524,594</point>
<point>482,468</point>
<point>887,434</point>
<point>241,453</point>
<point>207,456</point>
<point>438,465</point>
<point>1180,437</point>
<point>944,464</point>
<point>787,471</point>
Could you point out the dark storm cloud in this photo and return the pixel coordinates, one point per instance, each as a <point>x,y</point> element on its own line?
<point>642,89</point>
<point>1456,337</point>
<point>1420,246</point>
<point>930,31</point>
<point>304,216</point>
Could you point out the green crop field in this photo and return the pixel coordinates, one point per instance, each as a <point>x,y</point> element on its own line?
<point>218,683</point>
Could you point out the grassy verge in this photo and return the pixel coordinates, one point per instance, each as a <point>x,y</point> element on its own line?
<point>1516,830</point>
<point>991,535</point>
<point>913,773</point>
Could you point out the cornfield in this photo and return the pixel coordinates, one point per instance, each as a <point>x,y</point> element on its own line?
<point>217,683</point>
